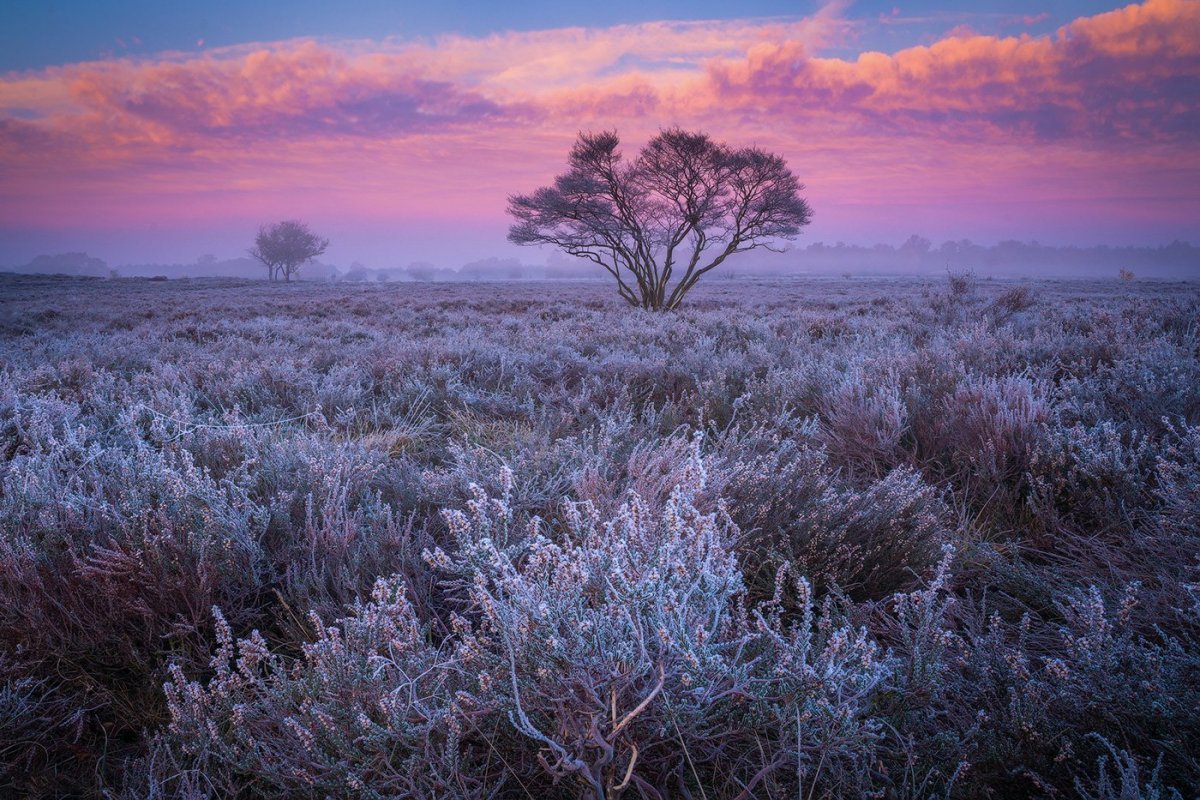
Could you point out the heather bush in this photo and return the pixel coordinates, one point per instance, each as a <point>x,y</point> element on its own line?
<point>1149,386</point>
<point>960,283</point>
<point>617,654</point>
<point>864,422</point>
<point>1024,709</point>
<point>1128,784</point>
<point>38,728</point>
<point>107,558</point>
<point>1093,478</point>
<point>625,652</point>
<point>367,709</point>
<point>1177,489</point>
<point>950,307</point>
<point>1013,300</point>
<point>869,539</point>
<point>988,428</point>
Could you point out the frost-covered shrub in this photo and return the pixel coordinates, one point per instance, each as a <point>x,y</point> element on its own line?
<point>950,306</point>
<point>1013,300</point>
<point>1128,784</point>
<point>1115,680</point>
<point>983,436</point>
<point>1178,487</point>
<point>1004,702</point>
<point>615,654</point>
<point>868,538</point>
<point>38,727</point>
<point>1148,386</point>
<point>368,709</point>
<point>106,555</point>
<point>991,426</point>
<point>864,421</point>
<point>1095,477</point>
<point>932,742</point>
<point>960,283</point>
<point>634,629</point>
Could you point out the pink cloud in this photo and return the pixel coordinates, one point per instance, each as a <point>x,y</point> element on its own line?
<point>1028,20</point>
<point>1127,76</point>
<point>302,91</point>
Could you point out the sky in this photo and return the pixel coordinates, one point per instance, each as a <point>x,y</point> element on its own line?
<point>158,132</point>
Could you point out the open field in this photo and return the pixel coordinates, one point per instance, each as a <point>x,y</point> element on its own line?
<point>823,538</point>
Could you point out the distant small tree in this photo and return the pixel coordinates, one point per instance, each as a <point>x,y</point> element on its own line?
<point>658,223</point>
<point>420,271</point>
<point>916,245</point>
<point>286,246</point>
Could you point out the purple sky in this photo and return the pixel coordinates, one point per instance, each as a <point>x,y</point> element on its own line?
<point>158,132</point>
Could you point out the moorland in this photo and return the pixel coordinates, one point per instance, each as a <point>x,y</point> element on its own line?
<point>897,537</point>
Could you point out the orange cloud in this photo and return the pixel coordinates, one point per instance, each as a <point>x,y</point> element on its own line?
<point>1129,75</point>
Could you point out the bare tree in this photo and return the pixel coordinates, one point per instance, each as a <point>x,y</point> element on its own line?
<point>286,246</point>
<point>660,222</point>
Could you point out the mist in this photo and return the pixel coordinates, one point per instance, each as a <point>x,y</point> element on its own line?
<point>917,255</point>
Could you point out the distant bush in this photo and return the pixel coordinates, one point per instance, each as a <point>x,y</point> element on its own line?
<point>961,283</point>
<point>1014,300</point>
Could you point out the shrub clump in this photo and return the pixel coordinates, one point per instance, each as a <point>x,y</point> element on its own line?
<point>616,654</point>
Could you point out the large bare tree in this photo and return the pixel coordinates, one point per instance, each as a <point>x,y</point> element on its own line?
<point>661,221</point>
<point>286,246</point>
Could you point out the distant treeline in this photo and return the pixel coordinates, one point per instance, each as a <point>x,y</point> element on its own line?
<point>1177,260</point>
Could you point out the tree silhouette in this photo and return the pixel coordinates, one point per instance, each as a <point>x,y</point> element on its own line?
<point>660,222</point>
<point>286,246</point>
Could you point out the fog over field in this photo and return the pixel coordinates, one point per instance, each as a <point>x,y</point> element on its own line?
<point>914,256</point>
<point>926,536</point>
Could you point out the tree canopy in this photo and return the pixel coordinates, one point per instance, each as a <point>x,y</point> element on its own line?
<point>286,246</point>
<point>660,222</point>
